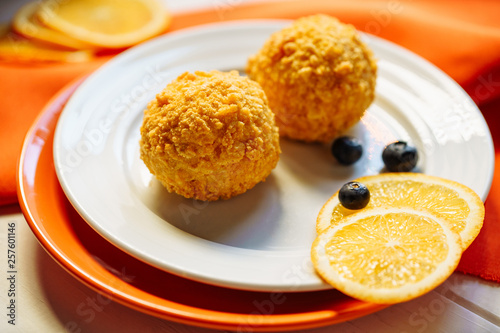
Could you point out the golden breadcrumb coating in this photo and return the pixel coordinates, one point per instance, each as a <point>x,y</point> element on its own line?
<point>210,136</point>
<point>318,75</point>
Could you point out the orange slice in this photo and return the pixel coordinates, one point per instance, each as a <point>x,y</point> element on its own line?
<point>387,255</point>
<point>444,198</point>
<point>16,48</point>
<point>26,24</point>
<point>106,23</point>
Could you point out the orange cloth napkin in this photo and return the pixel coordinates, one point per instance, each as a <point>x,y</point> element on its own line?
<point>460,37</point>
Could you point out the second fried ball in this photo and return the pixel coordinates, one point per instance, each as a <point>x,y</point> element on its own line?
<point>318,75</point>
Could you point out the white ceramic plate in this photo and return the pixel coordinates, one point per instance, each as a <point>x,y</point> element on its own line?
<point>259,240</point>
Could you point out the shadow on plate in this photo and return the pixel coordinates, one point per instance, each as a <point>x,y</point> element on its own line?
<point>245,221</point>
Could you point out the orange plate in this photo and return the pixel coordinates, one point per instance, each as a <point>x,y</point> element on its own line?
<point>98,264</point>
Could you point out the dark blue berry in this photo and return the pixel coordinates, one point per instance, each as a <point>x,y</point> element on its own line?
<point>354,195</point>
<point>347,150</point>
<point>399,157</point>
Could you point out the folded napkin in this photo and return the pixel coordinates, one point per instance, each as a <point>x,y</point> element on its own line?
<point>460,37</point>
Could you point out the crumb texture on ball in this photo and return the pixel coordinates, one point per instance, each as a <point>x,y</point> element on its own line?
<point>210,135</point>
<point>318,75</point>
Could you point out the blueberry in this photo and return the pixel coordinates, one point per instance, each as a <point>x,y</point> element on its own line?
<point>354,195</point>
<point>399,157</point>
<point>347,150</point>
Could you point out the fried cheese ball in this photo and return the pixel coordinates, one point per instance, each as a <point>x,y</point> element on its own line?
<point>318,75</point>
<point>210,135</point>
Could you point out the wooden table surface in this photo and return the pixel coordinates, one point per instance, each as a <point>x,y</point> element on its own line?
<point>49,298</point>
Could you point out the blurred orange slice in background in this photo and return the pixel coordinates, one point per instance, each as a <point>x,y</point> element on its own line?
<point>26,23</point>
<point>75,30</point>
<point>106,23</point>
<point>16,48</point>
